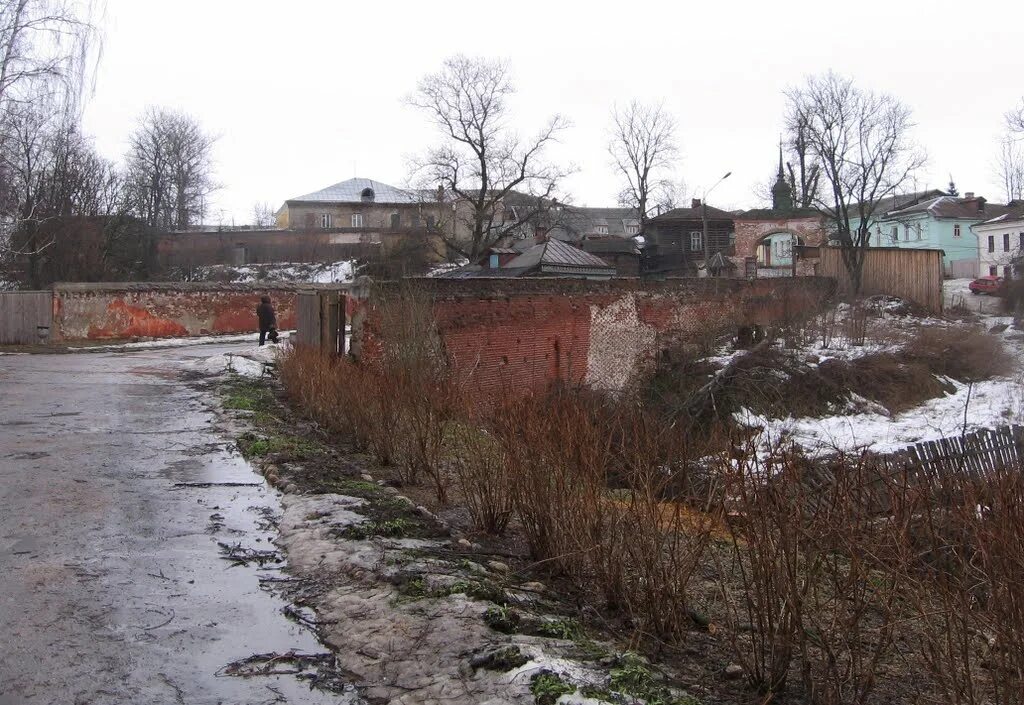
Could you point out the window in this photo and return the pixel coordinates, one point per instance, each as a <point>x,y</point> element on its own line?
<point>601,229</point>
<point>1006,242</point>
<point>493,262</point>
<point>993,270</point>
<point>906,233</point>
<point>325,220</point>
<point>430,222</point>
<point>396,220</point>
<point>992,244</point>
<point>634,229</point>
<point>895,234</point>
<point>696,241</point>
<point>956,230</point>
<point>1007,272</point>
<point>357,220</point>
<point>1021,245</point>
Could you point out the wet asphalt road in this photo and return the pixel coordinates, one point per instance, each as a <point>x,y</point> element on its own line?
<point>112,588</point>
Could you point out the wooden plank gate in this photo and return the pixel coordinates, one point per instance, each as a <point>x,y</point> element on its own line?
<point>25,317</point>
<point>321,320</point>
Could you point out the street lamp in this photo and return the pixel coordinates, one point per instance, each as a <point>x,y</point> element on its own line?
<point>704,219</point>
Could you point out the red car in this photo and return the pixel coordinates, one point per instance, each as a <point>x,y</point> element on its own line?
<point>989,284</point>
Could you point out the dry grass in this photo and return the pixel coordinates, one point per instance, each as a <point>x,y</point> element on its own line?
<point>965,353</point>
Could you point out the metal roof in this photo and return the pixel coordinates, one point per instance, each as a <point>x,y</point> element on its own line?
<point>351,191</point>
<point>557,253</point>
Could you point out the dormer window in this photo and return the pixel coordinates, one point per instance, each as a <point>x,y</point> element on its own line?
<point>367,195</point>
<point>632,229</point>
<point>601,229</point>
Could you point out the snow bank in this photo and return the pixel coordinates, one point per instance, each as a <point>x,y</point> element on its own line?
<point>178,342</point>
<point>305,272</point>
<point>250,362</point>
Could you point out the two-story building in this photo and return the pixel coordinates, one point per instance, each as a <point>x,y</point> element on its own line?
<point>939,222</point>
<point>1001,243</point>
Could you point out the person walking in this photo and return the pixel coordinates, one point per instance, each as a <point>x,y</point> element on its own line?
<point>267,320</point>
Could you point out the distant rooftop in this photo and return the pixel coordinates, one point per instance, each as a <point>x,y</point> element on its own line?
<point>359,191</point>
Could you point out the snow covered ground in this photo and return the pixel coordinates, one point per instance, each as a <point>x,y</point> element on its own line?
<point>313,273</point>
<point>865,425</point>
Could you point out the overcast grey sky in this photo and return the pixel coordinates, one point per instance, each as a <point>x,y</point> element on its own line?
<point>307,93</point>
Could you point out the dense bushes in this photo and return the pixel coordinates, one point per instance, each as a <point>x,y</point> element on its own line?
<point>847,580</point>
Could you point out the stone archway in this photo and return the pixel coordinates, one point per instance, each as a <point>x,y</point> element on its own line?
<point>774,250</point>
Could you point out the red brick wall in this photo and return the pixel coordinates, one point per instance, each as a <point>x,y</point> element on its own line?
<point>525,334</point>
<point>145,310</point>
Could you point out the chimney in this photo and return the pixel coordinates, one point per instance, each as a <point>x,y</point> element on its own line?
<point>969,195</point>
<point>695,203</point>
<point>981,204</point>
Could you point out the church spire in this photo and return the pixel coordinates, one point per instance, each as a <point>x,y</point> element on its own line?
<point>782,194</point>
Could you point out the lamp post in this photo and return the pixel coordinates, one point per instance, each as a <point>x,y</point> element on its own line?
<point>704,219</point>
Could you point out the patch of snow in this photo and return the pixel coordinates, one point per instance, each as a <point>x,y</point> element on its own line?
<point>438,270</point>
<point>177,342</point>
<point>246,363</point>
<point>302,272</point>
<point>995,402</point>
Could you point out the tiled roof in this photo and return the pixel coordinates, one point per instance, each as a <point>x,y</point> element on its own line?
<point>351,191</point>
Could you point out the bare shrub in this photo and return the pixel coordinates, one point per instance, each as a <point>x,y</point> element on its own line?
<point>968,587</point>
<point>965,353</point>
<point>481,470</point>
<point>811,575</point>
<point>421,388</point>
<point>335,392</point>
<point>885,379</point>
<point>670,524</point>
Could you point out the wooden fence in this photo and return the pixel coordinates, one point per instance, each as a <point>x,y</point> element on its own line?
<point>25,317</point>
<point>977,453</point>
<point>912,275</point>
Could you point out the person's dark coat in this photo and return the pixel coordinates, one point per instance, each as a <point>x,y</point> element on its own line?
<point>265,314</point>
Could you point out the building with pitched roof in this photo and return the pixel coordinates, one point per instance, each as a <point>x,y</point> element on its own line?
<point>942,222</point>
<point>1001,243</point>
<point>358,203</point>
<point>551,258</point>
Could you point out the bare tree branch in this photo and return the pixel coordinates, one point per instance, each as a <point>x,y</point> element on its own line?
<point>861,140</point>
<point>481,162</point>
<point>643,150</point>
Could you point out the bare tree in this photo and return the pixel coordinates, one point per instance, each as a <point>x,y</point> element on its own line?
<point>170,163</point>
<point>44,48</point>
<point>1010,167</point>
<point>263,215</point>
<point>643,149</point>
<point>1015,121</point>
<point>482,163</point>
<point>66,214</point>
<point>862,142</point>
<point>802,167</point>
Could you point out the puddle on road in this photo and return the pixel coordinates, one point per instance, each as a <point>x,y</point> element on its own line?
<point>264,648</point>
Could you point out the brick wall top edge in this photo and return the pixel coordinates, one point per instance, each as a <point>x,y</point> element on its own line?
<point>184,287</point>
<point>559,286</point>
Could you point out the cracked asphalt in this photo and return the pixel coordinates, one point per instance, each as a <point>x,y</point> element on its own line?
<point>112,586</point>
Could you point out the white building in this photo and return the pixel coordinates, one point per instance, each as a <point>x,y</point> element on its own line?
<point>1001,243</point>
